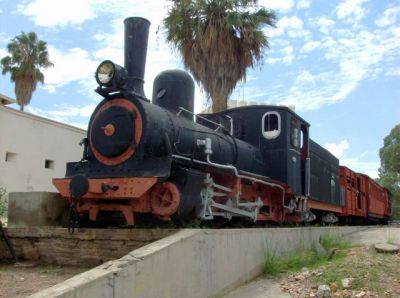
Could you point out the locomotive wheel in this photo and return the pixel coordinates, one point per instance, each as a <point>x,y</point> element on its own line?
<point>164,199</point>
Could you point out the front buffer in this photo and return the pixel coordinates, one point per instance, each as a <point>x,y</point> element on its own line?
<point>126,195</point>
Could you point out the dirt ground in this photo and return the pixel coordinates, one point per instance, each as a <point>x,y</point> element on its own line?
<point>366,273</point>
<point>370,275</point>
<point>259,288</point>
<point>24,279</point>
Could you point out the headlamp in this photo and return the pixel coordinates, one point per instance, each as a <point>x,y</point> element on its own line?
<point>109,74</point>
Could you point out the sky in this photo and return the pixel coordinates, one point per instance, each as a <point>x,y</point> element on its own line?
<point>337,62</point>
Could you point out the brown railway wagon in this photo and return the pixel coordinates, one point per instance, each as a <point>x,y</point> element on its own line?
<point>377,197</point>
<point>354,193</point>
<point>363,197</point>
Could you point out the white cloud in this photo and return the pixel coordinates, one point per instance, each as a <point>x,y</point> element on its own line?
<point>281,5</point>
<point>351,10</point>
<point>287,50</point>
<point>328,42</point>
<point>310,46</point>
<point>290,23</point>
<point>337,149</point>
<point>349,56</point>
<point>70,65</point>
<point>64,113</point>
<point>311,91</point>
<point>323,23</point>
<point>293,26</point>
<point>303,4</point>
<point>354,56</point>
<point>273,32</point>
<point>361,165</point>
<point>247,95</point>
<point>299,33</point>
<point>389,17</point>
<point>288,59</point>
<point>271,60</point>
<point>50,13</point>
<point>286,56</point>
<point>392,72</point>
<point>3,53</point>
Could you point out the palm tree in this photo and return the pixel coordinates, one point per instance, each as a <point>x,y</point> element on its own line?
<point>218,41</point>
<point>28,55</point>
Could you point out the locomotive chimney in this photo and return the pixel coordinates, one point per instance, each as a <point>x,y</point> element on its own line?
<point>136,37</point>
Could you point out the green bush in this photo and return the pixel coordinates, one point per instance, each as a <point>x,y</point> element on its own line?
<point>3,201</point>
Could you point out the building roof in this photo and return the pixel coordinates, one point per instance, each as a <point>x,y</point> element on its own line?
<point>5,100</point>
<point>39,118</point>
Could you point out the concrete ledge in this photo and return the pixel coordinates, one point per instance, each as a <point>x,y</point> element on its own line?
<point>190,263</point>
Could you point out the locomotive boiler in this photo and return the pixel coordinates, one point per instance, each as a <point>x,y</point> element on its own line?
<point>158,157</point>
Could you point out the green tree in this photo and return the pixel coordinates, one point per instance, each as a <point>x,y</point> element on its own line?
<point>28,55</point>
<point>218,41</point>
<point>389,172</point>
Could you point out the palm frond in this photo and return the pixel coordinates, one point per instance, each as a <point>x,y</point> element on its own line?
<point>28,55</point>
<point>218,40</point>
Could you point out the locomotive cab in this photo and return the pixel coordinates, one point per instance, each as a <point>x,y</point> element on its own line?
<point>284,144</point>
<point>282,139</point>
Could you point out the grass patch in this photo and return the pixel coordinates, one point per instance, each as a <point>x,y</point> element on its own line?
<point>330,241</point>
<point>272,263</point>
<point>275,264</point>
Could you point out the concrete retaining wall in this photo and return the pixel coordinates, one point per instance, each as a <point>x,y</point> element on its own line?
<point>190,263</point>
<point>37,208</point>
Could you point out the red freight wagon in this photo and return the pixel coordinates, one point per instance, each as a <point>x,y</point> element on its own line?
<point>353,189</point>
<point>378,199</point>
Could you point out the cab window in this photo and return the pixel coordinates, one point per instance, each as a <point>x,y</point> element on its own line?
<point>294,133</point>
<point>271,125</point>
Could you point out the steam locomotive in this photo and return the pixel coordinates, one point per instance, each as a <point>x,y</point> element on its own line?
<point>253,162</point>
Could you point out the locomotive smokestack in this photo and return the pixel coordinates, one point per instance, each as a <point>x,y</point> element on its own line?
<point>136,37</point>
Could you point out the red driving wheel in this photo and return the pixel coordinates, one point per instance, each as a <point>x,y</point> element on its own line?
<point>164,199</point>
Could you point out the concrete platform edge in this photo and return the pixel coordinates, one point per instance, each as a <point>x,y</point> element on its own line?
<point>190,263</point>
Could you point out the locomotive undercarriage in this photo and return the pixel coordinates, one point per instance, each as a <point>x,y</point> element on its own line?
<point>211,190</point>
<point>220,196</point>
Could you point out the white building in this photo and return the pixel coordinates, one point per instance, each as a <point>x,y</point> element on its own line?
<point>33,149</point>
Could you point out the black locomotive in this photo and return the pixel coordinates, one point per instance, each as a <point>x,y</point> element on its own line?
<point>157,157</point>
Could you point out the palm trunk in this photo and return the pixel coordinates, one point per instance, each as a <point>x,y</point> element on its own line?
<point>24,87</point>
<point>220,103</point>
